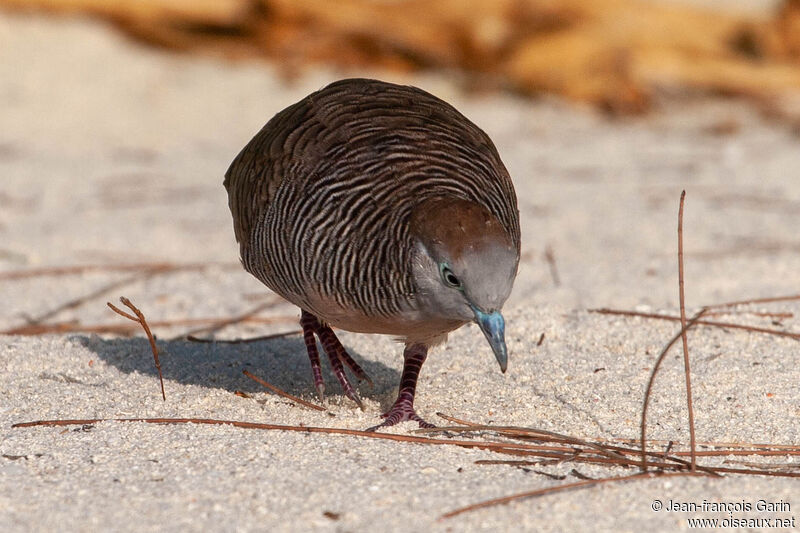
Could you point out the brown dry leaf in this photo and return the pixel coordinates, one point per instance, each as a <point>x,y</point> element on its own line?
<point>216,12</point>
<point>613,54</point>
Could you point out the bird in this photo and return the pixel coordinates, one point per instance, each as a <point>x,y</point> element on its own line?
<point>378,208</point>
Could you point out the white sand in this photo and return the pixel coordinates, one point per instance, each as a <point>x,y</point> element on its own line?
<point>111,152</point>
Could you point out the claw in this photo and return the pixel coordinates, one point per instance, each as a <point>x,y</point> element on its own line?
<point>320,391</point>
<point>353,396</point>
<point>348,389</point>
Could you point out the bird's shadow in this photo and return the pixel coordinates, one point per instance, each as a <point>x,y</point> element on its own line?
<point>283,362</point>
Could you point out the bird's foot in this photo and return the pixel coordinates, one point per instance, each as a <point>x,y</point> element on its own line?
<point>403,408</point>
<point>401,411</point>
<point>336,355</point>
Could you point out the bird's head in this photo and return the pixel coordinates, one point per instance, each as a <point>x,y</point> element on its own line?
<point>464,266</point>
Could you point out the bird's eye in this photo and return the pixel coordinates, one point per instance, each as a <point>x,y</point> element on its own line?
<point>448,277</point>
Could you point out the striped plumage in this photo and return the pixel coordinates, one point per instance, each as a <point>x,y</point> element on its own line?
<point>330,197</point>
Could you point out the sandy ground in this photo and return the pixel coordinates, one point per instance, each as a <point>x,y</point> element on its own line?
<point>113,153</point>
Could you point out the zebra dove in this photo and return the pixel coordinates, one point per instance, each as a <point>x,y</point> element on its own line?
<point>378,208</point>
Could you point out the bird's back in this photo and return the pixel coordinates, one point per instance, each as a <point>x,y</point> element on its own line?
<point>321,196</point>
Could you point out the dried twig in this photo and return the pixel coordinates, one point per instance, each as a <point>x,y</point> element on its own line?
<point>753,464</point>
<point>512,462</point>
<point>126,329</point>
<point>683,336</point>
<point>734,445</point>
<point>723,325</point>
<point>778,315</point>
<point>536,433</point>
<point>513,448</point>
<point>192,338</point>
<point>552,490</point>
<point>550,257</point>
<point>650,382</point>
<point>143,322</point>
<point>579,450</point>
<point>280,392</point>
<point>484,445</point>
<point>772,299</point>
<point>125,267</point>
<point>224,322</point>
<point>456,420</point>
<point>503,447</point>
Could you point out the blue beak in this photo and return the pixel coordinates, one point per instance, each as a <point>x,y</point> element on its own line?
<point>494,327</point>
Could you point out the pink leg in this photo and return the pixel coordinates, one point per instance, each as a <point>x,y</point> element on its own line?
<point>336,355</point>
<point>309,323</point>
<point>329,340</point>
<point>403,408</point>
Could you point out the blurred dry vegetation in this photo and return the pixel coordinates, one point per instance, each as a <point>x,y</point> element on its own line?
<point>614,54</point>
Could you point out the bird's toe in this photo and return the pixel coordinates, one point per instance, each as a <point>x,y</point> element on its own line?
<point>401,411</point>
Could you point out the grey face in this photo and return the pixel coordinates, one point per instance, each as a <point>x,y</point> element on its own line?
<point>471,287</point>
<point>486,274</point>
